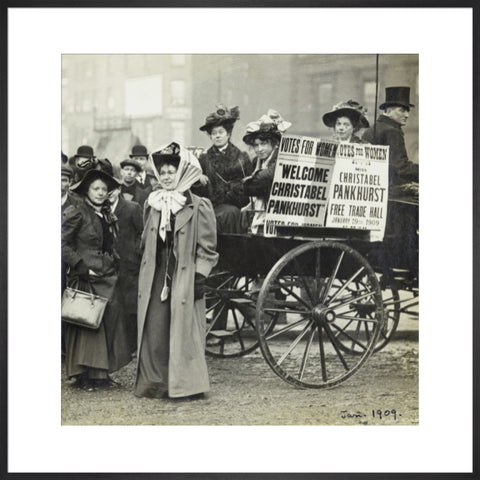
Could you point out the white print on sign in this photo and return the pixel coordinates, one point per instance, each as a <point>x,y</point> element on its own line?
<point>301,183</point>
<point>359,191</point>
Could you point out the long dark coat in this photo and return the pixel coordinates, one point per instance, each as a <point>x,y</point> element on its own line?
<point>388,132</point>
<point>225,172</point>
<point>137,192</point>
<point>194,251</point>
<point>260,183</point>
<point>106,348</point>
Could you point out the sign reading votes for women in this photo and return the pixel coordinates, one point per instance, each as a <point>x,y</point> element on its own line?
<point>323,183</point>
<point>300,188</point>
<point>359,192</point>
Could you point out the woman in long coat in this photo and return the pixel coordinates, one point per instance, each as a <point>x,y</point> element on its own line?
<point>88,248</point>
<point>179,252</point>
<point>224,166</point>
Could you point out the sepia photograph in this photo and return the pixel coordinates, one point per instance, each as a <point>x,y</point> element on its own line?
<point>234,269</point>
<point>239,240</point>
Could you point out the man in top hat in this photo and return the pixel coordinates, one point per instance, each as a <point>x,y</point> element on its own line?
<point>131,188</point>
<point>388,131</point>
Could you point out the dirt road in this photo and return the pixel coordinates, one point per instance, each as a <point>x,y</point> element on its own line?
<point>245,391</point>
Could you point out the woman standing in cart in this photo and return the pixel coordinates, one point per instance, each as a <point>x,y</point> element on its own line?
<point>179,243</point>
<point>89,233</point>
<point>264,137</point>
<point>346,119</point>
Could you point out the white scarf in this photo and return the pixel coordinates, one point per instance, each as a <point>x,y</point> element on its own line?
<point>172,201</point>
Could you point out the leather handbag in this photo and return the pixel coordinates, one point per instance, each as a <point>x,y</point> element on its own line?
<point>84,309</point>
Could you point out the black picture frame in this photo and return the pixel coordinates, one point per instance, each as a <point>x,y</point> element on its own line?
<point>6,200</point>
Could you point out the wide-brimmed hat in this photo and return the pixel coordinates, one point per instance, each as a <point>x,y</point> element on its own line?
<point>397,96</point>
<point>168,154</point>
<point>92,175</point>
<point>139,151</point>
<point>350,109</point>
<point>222,116</point>
<point>84,151</point>
<point>131,162</point>
<point>270,126</point>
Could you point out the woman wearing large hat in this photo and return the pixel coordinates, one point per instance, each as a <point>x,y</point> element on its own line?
<point>224,166</point>
<point>347,118</point>
<point>89,234</point>
<point>263,136</point>
<point>179,243</point>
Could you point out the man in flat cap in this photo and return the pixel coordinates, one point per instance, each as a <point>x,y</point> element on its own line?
<point>131,188</point>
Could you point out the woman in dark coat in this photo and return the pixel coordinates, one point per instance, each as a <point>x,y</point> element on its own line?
<point>224,166</point>
<point>263,136</point>
<point>179,242</point>
<point>346,119</point>
<point>88,248</point>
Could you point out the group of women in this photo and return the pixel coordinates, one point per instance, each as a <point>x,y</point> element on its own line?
<point>222,191</point>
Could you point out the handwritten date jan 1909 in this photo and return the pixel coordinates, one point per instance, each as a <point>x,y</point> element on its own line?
<point>378,414</point>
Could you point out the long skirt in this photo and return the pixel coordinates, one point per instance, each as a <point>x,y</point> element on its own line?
<point>152,376</point>
<point>96,353</point>
<point>228,219</point>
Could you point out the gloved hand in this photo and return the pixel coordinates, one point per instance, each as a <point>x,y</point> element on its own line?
<point>82,271</point>
<point>199,287</point>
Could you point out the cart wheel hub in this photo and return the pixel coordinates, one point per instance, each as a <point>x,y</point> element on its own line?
<point>323,314</point>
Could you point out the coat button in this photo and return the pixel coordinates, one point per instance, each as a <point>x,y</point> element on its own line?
<point>184,301</point>
<point>182,232</point>
<point>151,229</point>
<point>184,267</point>
<point>139,295</point>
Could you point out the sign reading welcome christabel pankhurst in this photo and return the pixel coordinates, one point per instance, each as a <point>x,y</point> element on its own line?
<point>300,188</point>
<point>359,192</point>
<point>324,183</point>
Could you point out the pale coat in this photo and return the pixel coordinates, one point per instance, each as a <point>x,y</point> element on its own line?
<point>194,250</point>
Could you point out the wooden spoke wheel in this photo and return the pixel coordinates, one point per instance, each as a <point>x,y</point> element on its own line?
<point>320,292</point>
<point>230,309</point>
<point>356,331</point>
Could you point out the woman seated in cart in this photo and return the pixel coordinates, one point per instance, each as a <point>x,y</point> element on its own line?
<point>224,166</point>
<point>264,136</point>
<point>346,119</point>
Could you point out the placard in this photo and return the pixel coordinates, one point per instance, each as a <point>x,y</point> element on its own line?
<point>359,192</point>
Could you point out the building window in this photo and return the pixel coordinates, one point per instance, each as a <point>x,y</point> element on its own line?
<point>369,92</point>
<point>178,60</point>
<point>178,132</point>
<point>178,92</point>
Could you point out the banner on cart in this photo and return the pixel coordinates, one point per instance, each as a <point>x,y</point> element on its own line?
<point>301,184</point>
<point>359,190</point>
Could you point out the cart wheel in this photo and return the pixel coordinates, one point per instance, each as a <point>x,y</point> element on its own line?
<point>323,290</point>
<point>391,313</point>
<point>230,308</point>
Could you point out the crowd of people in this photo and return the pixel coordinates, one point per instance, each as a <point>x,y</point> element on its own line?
<point>147,241</point>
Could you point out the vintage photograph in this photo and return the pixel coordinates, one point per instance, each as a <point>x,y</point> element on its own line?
<point>239,239</point>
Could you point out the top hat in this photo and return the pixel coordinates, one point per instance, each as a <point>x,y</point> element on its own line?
<point>132,163</point>
<point>92,175</point>
<point>221,117</point>
<point>350,109</point>
<point>85,151</point>
<point>397,96</point>
<point>139,151</point>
